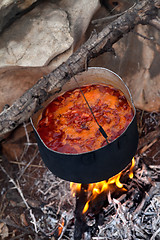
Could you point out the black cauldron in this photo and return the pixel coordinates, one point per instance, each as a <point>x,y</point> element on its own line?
<point>100,164</point>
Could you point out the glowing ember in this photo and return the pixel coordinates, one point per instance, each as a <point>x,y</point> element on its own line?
<point>60,228</point>
<point>95,189</point>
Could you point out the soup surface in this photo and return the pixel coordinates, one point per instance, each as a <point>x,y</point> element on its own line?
<point>67,125</point>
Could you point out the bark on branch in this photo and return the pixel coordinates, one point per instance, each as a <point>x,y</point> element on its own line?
<point>30,101</point>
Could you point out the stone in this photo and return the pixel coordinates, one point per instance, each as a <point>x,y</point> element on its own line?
<point>140,69</point>
<point>11,9</point>
<point>14,144</point>
<point>15,81</point>
<point>36,38</point>
<point>80,14</point>
<point>136,60</point>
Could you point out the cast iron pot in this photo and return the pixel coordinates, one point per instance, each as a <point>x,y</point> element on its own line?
<point>97,165</point>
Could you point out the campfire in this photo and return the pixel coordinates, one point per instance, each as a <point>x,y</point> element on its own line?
<point>124,196</point>
<point>94,190</point>
<point>91,198</point>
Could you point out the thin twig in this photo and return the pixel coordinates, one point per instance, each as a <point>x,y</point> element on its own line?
<point>144,149</point>
<point>155,234</point>
<point>146,38</point>
<point>17,186</point>
<point>28,164</point>
<point>28,141</point>
<point>103,20</point>
<point>24,164</point>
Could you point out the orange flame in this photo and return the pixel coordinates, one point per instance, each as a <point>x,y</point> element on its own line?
<point>94,189</point>
<point>75,188</point>
<point>60,228</point>
<point>131,168</point>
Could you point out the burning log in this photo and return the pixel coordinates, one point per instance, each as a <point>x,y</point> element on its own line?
<point>92,198</point>
<point>94,192</point>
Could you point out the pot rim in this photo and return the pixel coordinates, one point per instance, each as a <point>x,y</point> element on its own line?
<point>75,154</point>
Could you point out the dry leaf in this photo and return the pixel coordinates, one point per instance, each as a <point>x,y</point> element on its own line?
<point>23,220</point>
<point>3,231</point>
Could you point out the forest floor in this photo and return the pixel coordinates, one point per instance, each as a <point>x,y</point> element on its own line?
<point>34,204</point>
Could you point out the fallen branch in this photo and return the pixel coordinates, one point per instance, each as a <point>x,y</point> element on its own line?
<point>149,138</point>
<point>30,102</point>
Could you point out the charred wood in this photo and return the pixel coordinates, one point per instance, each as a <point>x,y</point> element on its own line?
<point>80,221</point>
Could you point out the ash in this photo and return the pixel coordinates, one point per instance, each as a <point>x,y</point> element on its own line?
<point>55,191</point>
<point>134,215</point>
<point>128,222</point>
<point>126,225</point>
<point>58,204</point>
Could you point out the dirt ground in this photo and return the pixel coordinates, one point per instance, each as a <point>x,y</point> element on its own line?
<point>33,200</point>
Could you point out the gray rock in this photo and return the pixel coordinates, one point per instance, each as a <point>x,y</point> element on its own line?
<point>79,13</point>
<point>11,9</point>
<point>36,38</point>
